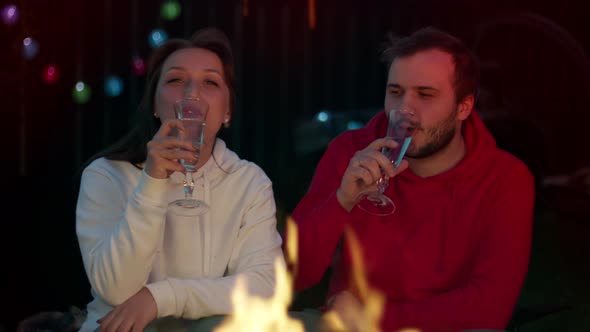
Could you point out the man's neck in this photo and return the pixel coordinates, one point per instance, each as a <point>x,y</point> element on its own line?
<point>441,161</point>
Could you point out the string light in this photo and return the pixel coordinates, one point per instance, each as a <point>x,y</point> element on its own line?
<point>30,48</point>
<point>81,93</point>
<point>170,10</point>
<point>51,74</point>
<point>113,86</point>
<point>138,66</point>
<point>10,14</point>
<point>157,38</point>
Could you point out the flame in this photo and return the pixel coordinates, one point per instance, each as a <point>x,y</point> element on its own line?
<point>256,314</point>
<point>291,246</point>
<point>367,317</point>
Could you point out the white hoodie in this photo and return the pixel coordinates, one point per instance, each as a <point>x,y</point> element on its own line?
<point>129,239</point>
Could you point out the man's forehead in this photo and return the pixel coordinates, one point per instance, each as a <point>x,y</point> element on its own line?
<point>426,68</point>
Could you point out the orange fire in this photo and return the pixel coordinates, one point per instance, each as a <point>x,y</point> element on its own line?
<point>366,318</point>
<point>256,314</point>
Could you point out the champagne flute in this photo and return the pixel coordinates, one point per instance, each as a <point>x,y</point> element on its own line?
<point>400,128</point>
<point>193,114</point>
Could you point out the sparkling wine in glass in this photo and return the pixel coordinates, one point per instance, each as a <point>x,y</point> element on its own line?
<point>400,128</point>
<point>193,114</point>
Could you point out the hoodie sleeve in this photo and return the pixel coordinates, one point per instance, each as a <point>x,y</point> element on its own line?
<point>254,253</point>
<point>487,300</point>
<point>319,216</point>
<point>118,235</point>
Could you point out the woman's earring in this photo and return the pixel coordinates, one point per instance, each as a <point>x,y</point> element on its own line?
<point>226,123</point>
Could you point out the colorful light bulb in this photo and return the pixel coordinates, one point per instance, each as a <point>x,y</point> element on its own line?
<point>157,38</point>
<point>10,14</point>
<point>51,74</point>
<point>138,66</point>
<point>81,93</point>
<point>113,86</point>
<point>30,48</point>
<point>170,10</point>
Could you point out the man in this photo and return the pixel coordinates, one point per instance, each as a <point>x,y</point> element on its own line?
<point>454,254</point>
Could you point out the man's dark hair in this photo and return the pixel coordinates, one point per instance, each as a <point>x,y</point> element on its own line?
<point>466,80</point>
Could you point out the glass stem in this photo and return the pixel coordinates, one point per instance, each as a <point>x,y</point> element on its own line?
<point>189,185</point>
<point>382,183</point>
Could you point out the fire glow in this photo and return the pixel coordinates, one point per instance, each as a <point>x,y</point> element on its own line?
<point>256,314</point>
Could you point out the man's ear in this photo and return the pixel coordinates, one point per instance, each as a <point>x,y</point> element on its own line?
<point>465,107</point>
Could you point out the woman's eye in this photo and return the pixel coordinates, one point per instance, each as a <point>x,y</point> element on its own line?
<point>211,83</point>
<point>174,80</point>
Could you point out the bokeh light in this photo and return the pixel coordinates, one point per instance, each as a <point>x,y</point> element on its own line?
<point>30,48</point>
<point>51,74</point>
<point>157,38</point>
<point>113,86</point>
<point>322,116</point>
<point>138,66</point>
<point>81,93</point>
<point>170,10</point>
<point>10,14</point>
<point>354,125</point>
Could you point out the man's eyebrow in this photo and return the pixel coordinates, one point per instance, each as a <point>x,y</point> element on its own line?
<point>422,88</point>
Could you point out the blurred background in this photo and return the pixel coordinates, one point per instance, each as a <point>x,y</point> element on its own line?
<point>73,74</point>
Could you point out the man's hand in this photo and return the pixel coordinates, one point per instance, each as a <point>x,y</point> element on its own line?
<point>364,169</point>
<point>132,315</point>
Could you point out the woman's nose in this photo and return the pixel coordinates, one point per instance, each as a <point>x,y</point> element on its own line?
<point>192,90</point>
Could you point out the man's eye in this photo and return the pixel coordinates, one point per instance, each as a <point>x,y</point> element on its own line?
<point>425,95</point>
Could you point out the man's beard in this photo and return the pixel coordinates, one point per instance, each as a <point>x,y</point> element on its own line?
<point>439,137</point>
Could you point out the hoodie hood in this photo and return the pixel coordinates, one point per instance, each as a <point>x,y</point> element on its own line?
<point>444,193</point>
<point>479,144</point>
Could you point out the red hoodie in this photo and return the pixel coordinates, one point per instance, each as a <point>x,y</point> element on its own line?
<point>454,254</point>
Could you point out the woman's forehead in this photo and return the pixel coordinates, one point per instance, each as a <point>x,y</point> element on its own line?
<point>193,59</point>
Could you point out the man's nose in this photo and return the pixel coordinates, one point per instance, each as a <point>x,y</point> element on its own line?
<point>407,110</point>
<point>405,106</point>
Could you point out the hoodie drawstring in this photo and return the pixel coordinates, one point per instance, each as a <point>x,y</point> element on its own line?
<point>206,222</point>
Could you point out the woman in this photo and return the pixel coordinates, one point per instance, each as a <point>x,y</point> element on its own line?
<point>143,260</point>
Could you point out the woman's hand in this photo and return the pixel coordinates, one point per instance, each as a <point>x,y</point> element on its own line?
<point>163,151</point>
<point>132,315</point>
<point>364,169</point>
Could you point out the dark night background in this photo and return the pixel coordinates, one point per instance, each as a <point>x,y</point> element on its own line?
<point>535,86</point>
